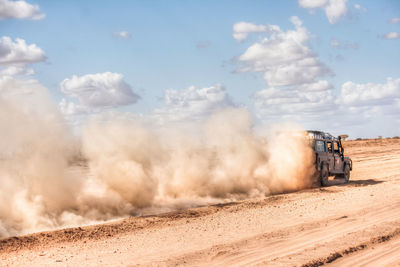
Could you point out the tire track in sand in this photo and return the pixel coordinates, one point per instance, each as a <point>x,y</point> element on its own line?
<point>335,233</point>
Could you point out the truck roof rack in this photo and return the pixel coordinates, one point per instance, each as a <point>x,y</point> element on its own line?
<point>320,135</point>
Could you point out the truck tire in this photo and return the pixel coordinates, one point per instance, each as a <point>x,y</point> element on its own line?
<point>324,175</point>
<point>346,174</point>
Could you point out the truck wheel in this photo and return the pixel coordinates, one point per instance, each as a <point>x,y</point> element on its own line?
<point>346,174</point>
<point>324,175</point>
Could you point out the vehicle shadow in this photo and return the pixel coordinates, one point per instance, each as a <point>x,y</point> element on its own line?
<point>364,182</point>
<point>354,183</point>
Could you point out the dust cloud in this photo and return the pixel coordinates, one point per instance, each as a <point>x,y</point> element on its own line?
<point>122,165</point>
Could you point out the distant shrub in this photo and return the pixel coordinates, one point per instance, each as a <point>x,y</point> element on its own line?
<point>396,137</point>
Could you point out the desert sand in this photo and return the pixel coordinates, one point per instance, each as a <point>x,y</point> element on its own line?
<point>354,224</point>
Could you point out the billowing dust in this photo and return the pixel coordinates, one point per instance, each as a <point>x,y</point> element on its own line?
<point>120,165</point>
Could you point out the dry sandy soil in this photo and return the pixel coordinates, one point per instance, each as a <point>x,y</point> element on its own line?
<point>354,224</point>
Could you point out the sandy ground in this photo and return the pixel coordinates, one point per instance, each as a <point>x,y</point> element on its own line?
<point>354,224</point>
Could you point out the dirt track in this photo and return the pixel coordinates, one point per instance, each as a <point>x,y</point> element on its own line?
<point>345,225</point>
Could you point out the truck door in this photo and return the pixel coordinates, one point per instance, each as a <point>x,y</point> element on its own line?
<point>330,158</point>
<point>320,152</point>
<point>338,168</point>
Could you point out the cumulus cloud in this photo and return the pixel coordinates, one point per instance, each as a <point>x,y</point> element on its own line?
<point>318,86</point>
<point>69,108</point>
<point>302,104</point>
<point>19,10</point>
<point>313,3</point>
<point>192,103</point>
<point>19,52</point>
<point>371,103</point>
<point>343,45</point>
<point>16,70</point>
<point>292,71</point>
<point>394,20</point>
<point>334,9</point>
<point>242,29</point>
<point>122,35</point>
<point>284,58</point>
<point>96,91</point>
<point>315,105</point>
<point>370,93</point>
<point>14,56</point>
<point>392,35</point>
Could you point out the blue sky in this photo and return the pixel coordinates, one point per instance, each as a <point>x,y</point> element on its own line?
<point>173,45</point>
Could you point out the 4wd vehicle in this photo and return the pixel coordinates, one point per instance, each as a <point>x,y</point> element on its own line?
<point>329,157</point>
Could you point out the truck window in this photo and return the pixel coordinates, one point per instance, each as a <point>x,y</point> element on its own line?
<point>320,146</point>
<point>336,147</point>
<point>329,146</point>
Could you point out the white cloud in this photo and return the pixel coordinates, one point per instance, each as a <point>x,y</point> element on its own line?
<point>284,57</point>
<point>392,35</point>
<point>311,111</point>
<point>192,103</point>
<point>304,104</point>
<point>318,86</point>
<point>371,104</point>
<point>123,35</point>
<point>370,94</point>
<point>342,45</point>
<point>71,108</point>
<point>357,108</point>
<point>16,70</point>
<point>359,7</point>
<point>96,91</point>
<point>291,69</point>
<point>19,10</point>
<point>313,3</point>
<point>19,52</point>
<point>242,29</point>
<point>334,9</point>
<point>394,20</point>
<point>15,56</point>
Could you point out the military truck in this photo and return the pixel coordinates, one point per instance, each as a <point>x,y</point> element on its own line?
<point>329,157</point>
